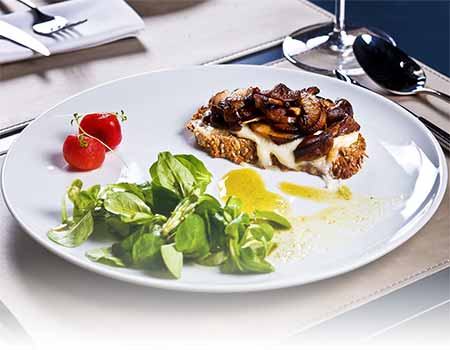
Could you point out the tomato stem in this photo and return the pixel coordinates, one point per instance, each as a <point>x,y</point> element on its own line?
<point>83,143</point>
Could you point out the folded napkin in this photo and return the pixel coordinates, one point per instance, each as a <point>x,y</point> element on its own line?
<point>108,20</point>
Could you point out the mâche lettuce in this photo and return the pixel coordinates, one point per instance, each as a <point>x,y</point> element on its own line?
<point>167,221</point>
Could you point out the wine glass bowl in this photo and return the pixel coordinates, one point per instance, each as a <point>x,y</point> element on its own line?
<point>325,47</point>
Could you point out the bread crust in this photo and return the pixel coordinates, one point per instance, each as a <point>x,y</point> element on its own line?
<point>220,143</point>
<point>350,159</point>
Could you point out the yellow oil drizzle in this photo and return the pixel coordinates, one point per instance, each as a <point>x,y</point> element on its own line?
<point>329,228</point>
<point>316,194</point>
<point>346,216</point>
<point>248,185</point>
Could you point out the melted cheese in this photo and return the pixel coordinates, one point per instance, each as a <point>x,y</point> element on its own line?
<point>285,152</point>
<point>266,147</point>
<point>342,142</point>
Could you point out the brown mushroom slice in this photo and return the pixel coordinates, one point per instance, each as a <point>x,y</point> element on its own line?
<point>345,106</point>
<point>313,147</point>
<point>234,107</point>
<point>279,115</point>
<point>277,137</point>
<point>343,127</point>
<point>248,113</point>
<point>295,111</point>
<point>326,103</point>
<point>310,123</point>
<point>314,117</point>
<point>285,127</point>
<point>213,118</point>
<point>218,98</point>
<point>232,120</point>
<point>312,90</point>
<point>339,111</point>
<point>263,102</point>
<point>283,93</point>
<point>235,100</point>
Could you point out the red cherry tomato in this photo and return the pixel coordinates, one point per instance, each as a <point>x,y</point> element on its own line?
<point>104,126</point>
<point>83,154</point>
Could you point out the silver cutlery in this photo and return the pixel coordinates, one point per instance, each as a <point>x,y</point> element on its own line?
<point>441,135</point>
<point>21,37</point>
<point>9,132</point>
<point>46,24</point>
<point>391,68</point>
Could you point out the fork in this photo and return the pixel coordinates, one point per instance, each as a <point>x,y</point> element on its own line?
<point>46,24</point>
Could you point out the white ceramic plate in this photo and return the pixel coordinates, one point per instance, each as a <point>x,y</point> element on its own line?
<point>404,160</point>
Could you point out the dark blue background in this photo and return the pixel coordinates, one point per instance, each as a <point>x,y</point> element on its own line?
<point>421,28</point>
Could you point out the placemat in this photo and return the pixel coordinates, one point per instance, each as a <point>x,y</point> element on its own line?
<point>57,302</point>
<point>178,32</point>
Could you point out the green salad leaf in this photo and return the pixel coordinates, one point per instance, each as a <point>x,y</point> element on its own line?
<point>196,167</point>
<point>181,211</point>
<point>210,210</point>
<point>128,187</point>
<point>164,201</point>
<point>74,234</point>
<point>236,228</point>
<point>213,259</point>
<point>83,200</point>
<point>273,218</point>
<point>105,256</point>
<point>170,173</point>
<point>168,221</point>
<point>126,204</point>
<point>146,251</point>
<point>190,237</point>
<point>117,226</point>
<point>232,208</point>
<point>64,215</point>
<point>249,245</point>
<point>247,257</point>
<point>173,259</point>
<point>123,249</point>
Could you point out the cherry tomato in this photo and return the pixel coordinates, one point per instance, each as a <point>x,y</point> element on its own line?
<point>104,126</point>
<point>83,153</point>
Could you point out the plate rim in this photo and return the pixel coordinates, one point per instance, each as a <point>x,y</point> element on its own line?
<point>178,285</point>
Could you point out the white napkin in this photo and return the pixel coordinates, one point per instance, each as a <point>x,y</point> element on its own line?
<point>108,20</point>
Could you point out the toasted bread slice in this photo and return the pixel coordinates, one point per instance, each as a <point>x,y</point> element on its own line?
<point>342,162</point>
<point>291,129</point>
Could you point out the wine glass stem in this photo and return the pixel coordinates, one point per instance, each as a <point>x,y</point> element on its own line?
<point>339,20</point>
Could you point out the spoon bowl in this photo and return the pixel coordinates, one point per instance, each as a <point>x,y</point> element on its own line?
<point>390,67</point>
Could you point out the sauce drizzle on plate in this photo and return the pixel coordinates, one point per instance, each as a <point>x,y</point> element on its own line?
<point>248,185</point>
<point>316,194</point>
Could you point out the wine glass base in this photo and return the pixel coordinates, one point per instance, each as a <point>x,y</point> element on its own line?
<point>318,48</point>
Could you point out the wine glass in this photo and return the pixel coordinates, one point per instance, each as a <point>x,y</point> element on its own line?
<point>325,47</point>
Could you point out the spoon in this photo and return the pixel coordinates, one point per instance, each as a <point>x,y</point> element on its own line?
<point>441,135</point>
<point>391,68</point>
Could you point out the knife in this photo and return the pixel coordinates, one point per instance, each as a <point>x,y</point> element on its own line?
<point>21,37</point>
<point>441,135</point>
